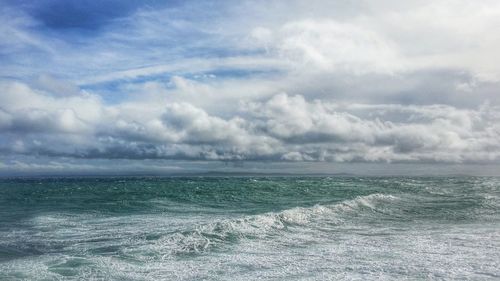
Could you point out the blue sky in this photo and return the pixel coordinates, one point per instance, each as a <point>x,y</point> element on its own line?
<point>281,82</point>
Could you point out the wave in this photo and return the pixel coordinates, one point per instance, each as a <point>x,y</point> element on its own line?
<point>219,233</point>
<point>188,235</point>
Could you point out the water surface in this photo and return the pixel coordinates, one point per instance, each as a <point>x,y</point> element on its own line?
<point>248,228</point>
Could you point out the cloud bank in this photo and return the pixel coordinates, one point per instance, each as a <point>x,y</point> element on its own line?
<point>281,127</point>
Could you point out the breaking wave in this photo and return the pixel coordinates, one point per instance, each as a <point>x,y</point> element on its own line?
<point>223,232</point>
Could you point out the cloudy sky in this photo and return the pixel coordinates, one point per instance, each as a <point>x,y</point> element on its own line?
<point>168,86</point>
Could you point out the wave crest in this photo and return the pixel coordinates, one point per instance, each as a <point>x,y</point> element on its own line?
<point>223,232</point>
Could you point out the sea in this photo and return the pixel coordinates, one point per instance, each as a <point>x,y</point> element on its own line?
<point>250,228</point>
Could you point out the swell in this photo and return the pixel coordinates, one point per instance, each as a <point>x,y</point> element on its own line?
<point>273,224</point>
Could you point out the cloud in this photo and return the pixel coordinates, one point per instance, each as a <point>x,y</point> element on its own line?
<point>328,45</point>
<point>282,127</point>
<point>330,131</point>
<point>285,81</point>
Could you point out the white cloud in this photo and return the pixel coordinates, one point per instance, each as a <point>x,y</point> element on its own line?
<point>328,45</point>
<point>281,127</point>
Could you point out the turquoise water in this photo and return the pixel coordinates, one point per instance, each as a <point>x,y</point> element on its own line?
<point>250,228</point>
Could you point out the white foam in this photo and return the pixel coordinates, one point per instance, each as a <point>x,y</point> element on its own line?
<point>368,201</point>
<point>221,232</point>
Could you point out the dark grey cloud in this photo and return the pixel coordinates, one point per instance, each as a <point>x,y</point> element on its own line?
<point>423,87</point>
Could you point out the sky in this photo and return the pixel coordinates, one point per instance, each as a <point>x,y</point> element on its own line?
<point>283,86</point>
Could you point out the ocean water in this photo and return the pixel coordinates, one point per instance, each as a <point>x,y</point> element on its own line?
<point>250,228</point>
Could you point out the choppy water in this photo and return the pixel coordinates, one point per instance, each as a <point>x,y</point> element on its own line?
<point>250,228</point>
